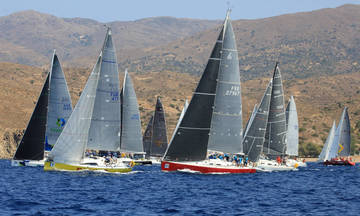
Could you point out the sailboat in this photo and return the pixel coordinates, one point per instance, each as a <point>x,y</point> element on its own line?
<point>213,119</point>
<point>292,135</point>
<point>275,135</point>
<point>336,150</point>
<point>51,112</point>
<point>155,137</point>
<point>89,126</point>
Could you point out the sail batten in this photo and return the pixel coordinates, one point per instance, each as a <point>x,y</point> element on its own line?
<point>226,124</point>
<point>275,136</point>
<point>191,145</point>
<point>32,144</point>
<point>105,123</point>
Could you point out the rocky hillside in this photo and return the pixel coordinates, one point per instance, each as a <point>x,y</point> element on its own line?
<point>322,42</point>
<point>319,100</point>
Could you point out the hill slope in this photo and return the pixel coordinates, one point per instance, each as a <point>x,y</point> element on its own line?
<point>319,100</point>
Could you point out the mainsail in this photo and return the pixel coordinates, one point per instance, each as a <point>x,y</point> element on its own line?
<point>148,137</point>
<point>345,138</point>
<point>32,144</point>
<point>254,138</point>
<point>292,125</point>
<point>226,124</point>
<point>131,137</point>
<point>190,139</point>
<point>324,155</point>
<point>60,106</point>
<point>159,141</point>
<point>275,136</point>
<point>72,142</point>
<point>105,122</point>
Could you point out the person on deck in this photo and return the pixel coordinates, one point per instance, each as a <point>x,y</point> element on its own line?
<point>278,159</point>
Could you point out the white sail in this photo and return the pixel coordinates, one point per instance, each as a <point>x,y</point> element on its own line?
<point>131,137</point>
<point>333,152</point>
<point>60,107</point>
<point>324,155</point>
<point>292,134</point>
<point>71,144</point>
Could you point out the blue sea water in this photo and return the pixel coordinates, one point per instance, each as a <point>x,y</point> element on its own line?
<point>315,190</point>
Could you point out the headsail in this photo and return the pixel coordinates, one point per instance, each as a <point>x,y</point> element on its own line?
<point>32,144</point>
<point>249,122</point>
<point>275,137</point>
<point>255,136</point>
<point>60,106</point>
<point>105,123</point>
<point>292,125</point>
<point>159,141</point>
<point>324,155</point>
<point>71,144</point>
<point>226,125</point>
<point>190,139</point>
<point>131,137</point>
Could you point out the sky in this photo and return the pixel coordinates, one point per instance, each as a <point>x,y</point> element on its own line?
<point>128,10</point>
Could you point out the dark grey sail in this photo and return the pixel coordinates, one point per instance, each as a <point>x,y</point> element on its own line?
<point>226,125</point>
<point>275,137</point>
<point>148,137</point>
<point>32,143</point>
<point>190,139</point>
<point>159,141</point>
<point>255,136</point>
<point>345,138</point>
<point>105,123</point>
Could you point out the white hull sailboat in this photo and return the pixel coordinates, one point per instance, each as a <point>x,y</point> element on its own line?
<point>88,125</point>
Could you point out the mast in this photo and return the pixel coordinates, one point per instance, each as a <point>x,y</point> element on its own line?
<point>292,128</point>
<point>32,144</point>
<point>254,138</point>
<point>60,106</point>
<point>190,139</point>
<point>275,136</point>
<point>159,141</point>
<point>226,124</point>
<point>131,137</point>
<point>105,123</point>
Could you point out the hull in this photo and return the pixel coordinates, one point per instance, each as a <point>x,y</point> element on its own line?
<point>135,161</point>
<point>205,167</point>
<point>53,166</point>
<point>32,163</point>
<point>271,165</point>
<point>339,163</point>
<point>295,163</point>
